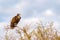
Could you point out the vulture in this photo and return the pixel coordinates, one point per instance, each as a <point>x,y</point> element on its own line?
<point>15,20</point>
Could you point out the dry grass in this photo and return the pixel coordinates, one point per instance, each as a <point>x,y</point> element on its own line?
<point>39,33</point>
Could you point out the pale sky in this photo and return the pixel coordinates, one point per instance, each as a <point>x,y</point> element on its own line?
<point>31,11</point>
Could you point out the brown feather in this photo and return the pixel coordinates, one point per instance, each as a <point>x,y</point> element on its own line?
<point>15,20</point>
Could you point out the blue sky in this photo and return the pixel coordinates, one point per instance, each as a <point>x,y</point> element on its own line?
<point>30,10</point>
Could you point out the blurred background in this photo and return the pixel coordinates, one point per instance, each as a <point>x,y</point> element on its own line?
<point>31,11</point>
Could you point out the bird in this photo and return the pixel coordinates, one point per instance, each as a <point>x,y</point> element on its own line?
<point>15,20</point>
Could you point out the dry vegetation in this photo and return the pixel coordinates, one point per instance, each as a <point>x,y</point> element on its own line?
<point>39,33</point>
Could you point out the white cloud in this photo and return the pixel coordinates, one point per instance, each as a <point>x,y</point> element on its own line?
<point>17,8</point>
<point>30,20</point>
<point>48,13</point>
<point>2,24</point>
<point>21,5</point>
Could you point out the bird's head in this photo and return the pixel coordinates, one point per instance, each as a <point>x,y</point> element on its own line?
<point>18,15</point>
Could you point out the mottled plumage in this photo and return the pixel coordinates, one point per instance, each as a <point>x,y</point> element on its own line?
<point>15,20</point>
